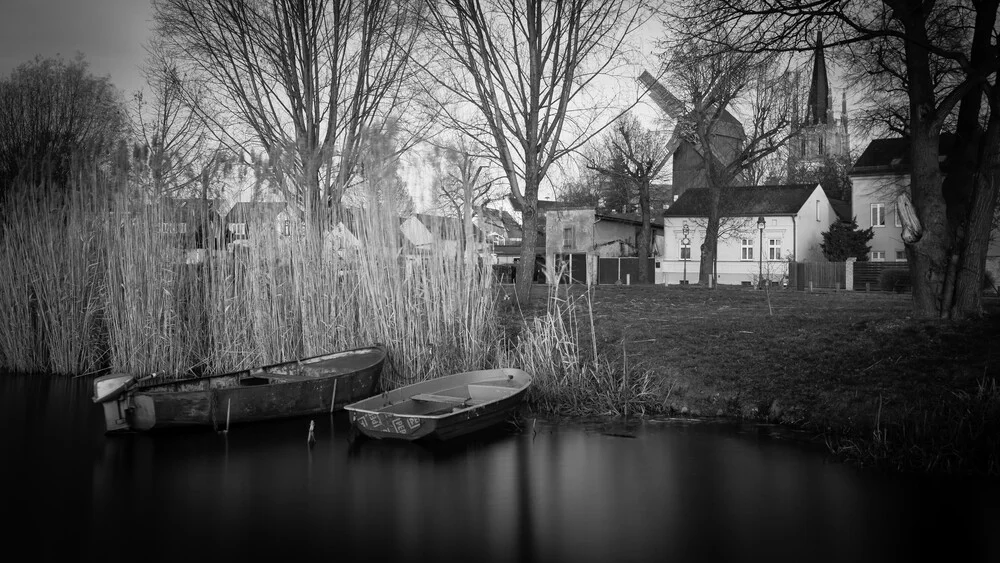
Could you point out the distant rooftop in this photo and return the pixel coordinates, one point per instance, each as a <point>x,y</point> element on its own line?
<point>748,200</point>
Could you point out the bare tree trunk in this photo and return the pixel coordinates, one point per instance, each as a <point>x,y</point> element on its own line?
<point>930,255</point>
<point>529,219</point>
<point>645,234</point>
<point>706,274</point>
<point>972,263</point>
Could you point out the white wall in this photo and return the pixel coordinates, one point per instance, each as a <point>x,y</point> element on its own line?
<point>813,219</point>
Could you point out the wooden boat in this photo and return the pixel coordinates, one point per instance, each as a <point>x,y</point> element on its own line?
<point>315,385</point>
<point>441,408</point>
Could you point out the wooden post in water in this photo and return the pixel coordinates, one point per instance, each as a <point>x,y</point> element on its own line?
<point>229,405</point>
<point>333,396</point>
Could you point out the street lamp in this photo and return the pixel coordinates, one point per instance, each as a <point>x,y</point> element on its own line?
<point>760,257</point>
<point>685,245</point>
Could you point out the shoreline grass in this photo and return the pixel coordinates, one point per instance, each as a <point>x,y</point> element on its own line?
<point>826,363</point>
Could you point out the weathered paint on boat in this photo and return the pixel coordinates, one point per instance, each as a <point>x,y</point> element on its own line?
<point>442,408</point>
<point>315,385</point>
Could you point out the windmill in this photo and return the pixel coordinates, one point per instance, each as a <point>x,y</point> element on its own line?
<point>726,138</point>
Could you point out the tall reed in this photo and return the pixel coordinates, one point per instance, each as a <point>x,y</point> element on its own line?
<point>53,257</point>
<point>96,280</point>
<point>125,295</point>
<point>571,378</point>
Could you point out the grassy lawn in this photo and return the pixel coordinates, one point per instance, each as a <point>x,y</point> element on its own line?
<point>847,365</point>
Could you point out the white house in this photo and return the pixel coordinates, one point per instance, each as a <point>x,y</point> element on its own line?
<point>793,218</point>
<point>426,232</point>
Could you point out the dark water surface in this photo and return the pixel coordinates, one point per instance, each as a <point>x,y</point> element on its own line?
<point>672,492</point>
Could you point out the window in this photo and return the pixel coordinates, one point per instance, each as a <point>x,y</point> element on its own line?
<point>568,241</point>
<point>878,256</point>
<point>900,256</point>
<point>878,214</point>
<point>685,251</point>
<point>238,228</point>
<point>817,210</point>
<point>746,249</point>
<point>774,249</point>
<point>287,229</point>
<point>175,228</point>
<point>896,220</point>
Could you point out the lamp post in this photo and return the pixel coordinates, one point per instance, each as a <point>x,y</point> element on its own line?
<point>685,244</point>
<point>760,257</point>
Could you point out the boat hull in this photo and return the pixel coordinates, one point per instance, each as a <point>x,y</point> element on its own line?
<point>317,385</point>
<point>391,416</point>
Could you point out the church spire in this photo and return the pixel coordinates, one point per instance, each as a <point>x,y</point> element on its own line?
<point>819,102</point>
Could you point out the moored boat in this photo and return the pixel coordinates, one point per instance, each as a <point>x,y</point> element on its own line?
<point>441,408</point>
<point>314,385</point>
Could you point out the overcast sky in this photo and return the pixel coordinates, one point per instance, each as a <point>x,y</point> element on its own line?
<point>111,34</point>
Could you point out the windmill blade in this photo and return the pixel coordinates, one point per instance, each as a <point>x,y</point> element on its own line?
<point>662,97</point>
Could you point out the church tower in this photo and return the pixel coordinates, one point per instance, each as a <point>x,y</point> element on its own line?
<point>819,135</point>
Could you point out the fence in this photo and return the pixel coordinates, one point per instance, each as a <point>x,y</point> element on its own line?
<point>610,270</point>
<point>824,275</point>
<point>868,275</point>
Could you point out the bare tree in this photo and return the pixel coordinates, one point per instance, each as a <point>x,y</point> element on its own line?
<point>307,77</point>
<point>378,182</point>
<point>640,156</point>
<point>710,81</point>
<point>523,65</point>
<point>944,57</point>
<point>466,184</point>
<point>170,136</point>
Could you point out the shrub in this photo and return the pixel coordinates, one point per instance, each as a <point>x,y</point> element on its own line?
<point>895,279</point>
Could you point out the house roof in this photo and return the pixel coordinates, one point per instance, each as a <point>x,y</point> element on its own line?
<point>629,218</point>
<point>543,205</point>
<point>892,155</point>
<point>178,206</point>
<point>501,216</point>
<point>242,210</point>
<point>841,208</point>
<point>447,228</point>
<point>745,201</point>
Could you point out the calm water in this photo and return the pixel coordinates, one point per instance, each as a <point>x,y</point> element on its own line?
<point>673,492</point>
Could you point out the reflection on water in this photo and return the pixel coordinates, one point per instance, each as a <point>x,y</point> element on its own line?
<point>663,492</point>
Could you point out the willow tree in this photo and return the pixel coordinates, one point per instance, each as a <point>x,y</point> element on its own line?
<point>942,58</point>
<point>523,67</point>
<point>306,78</point>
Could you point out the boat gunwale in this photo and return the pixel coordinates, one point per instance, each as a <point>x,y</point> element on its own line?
<point>490,402</point>
<point>148,384</point>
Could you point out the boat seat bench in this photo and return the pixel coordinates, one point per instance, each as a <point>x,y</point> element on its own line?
<point>439,398</point>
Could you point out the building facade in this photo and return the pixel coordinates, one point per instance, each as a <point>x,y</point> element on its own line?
<point>793,217</point>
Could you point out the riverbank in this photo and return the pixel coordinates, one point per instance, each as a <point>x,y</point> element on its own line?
<point>878,386</point>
